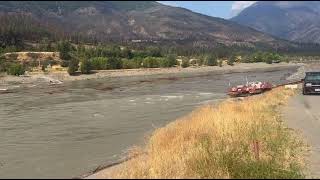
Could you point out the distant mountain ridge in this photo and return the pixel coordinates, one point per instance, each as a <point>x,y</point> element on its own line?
<point>292,20</point>
<point>112,21</point>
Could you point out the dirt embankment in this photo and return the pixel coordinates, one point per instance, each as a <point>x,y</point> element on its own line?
<point>27,57</point>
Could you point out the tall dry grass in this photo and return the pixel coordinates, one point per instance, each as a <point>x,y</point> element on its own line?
<point>243,139</point>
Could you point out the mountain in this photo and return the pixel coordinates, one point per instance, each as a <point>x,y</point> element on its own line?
<point>124,21</point>
<point>292,20</point>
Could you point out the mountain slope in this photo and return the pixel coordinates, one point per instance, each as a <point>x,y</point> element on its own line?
<point>106,21</point>
<point>296,21</point>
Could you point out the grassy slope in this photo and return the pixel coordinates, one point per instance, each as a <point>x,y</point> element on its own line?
<point>218,142</point>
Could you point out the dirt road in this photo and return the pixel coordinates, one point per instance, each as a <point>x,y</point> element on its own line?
<point>303,115</point>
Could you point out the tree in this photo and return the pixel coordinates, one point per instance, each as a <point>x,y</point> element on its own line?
<point>64,48</point>
<point>85,66</point>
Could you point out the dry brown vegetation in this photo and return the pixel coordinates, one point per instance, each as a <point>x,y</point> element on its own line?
<point>236,139</point>
<point>32,56</point>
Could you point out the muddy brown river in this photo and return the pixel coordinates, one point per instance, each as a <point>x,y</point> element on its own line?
<point>66,130</point>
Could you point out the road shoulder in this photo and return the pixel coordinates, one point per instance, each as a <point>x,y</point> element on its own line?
<point>302,115</point>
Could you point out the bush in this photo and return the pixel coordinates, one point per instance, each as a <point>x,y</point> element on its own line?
<point>2,64</point>
<point>150,62</point>
<point>85,66</point>
<point>99,63</point>
<point>268,61</point>
<point>171,60</point>
<point>211,60</point>
<point>113,63</point>
<point>201,61</point>
<point>64,49</point>
<point>185,63</point>
<point>220,63</point>
<point>15,69</point>
<point>127,64</point>
<point>231,60</point>
<point>131,63</point>
<point>163,62</point>
<point>126,53</point>
<point>73,66</point>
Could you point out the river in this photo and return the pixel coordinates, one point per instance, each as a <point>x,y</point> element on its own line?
<point>65,130</point>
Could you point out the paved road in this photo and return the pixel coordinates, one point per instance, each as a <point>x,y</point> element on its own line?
<point>303,114</point>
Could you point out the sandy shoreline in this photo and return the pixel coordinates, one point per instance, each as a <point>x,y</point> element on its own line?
<point>36,77</point>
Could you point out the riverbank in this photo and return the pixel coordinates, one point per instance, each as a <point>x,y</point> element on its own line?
<point>61,123</point>
<point>63,76</point>
<point>230,140</point>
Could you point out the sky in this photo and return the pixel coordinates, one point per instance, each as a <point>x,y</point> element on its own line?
<point>222,9</point>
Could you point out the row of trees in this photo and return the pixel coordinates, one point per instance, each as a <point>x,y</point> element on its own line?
<point>267,57</point>
<point>104,63</point>
<point>113,57</point>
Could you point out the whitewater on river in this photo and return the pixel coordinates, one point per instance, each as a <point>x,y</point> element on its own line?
<point>65,130</point>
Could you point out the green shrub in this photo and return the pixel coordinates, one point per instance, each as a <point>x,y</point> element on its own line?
<point>200,61</point>
<point>85,66</point>
<point>113,63</point>
<point>220,63</point>
<point>131,63</point>
<point>128,64</point>
<point>185,63</point>
<point>150,62</point>
<point>64,49</point>
<point>211,60</point>
<point>15,69</point>
<point>99,63</point>
<point>126,53</point>
<point>163,62</point>
<point>2,64</point>
<point>73,66</point>
<point>171,60</point>
<point>231,60</point>
<point>268,61</point>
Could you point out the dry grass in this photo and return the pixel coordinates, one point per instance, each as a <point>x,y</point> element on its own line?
<point>243,139</point>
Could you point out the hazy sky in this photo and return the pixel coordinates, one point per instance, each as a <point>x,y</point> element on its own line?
<point>223,9</point>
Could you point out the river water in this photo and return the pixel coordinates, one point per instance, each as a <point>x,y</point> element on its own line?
<point>66,130</point>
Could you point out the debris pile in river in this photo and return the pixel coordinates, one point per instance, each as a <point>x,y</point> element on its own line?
<point>249,89</point>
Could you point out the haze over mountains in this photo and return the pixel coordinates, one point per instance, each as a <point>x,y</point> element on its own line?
<point>106,21</point>
<point>292,20</point>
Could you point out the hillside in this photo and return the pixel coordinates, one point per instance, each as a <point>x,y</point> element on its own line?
<point>110,21</point>
<point>296,21</point>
